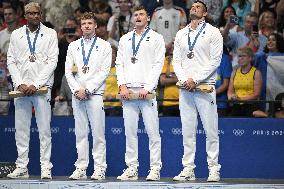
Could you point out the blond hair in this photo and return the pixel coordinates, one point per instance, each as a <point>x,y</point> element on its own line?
<point>261,23</point>
<point>31,5</point>
<point>246,50</point>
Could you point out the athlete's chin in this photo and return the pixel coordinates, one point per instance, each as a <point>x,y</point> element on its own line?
<point>194,17</point>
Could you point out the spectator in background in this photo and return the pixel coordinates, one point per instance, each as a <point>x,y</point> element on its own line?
<point>214,9</point>
<point>168,88</point>
<point>102,32</point>
<point>280,16</point>
<point>115,5</point>
<point>57,12</point>
<point>252,2</point>
<point>279,107</point>
<point>19,5</point>
<point>248,37</point>
<point>265,5</point>
<point>100,8</point>
<point>1,17</point>
<point>245,85</point>
<point>79,12</point>
<point>11,19</point>
<point>112,108</point>
<point>167,20</point>
<point>224,72</point>
<point>63,104</point>
<point>70,32</point>
<point>121,23</point>
<point>270,64</point>
<point>228,15</point>
<point>267,23</point>
<point>150,5</point>
<point>242,7</point>
<point>5,86</point>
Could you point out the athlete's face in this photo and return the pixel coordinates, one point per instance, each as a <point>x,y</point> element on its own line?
<point>88,27</point>
<point>141,18</point>
<point>197,11</point>
<point>33,16</point>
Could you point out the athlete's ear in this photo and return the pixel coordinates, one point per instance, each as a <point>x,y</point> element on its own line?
<point>148,18</point>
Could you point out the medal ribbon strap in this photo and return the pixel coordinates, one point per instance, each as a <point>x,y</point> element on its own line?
<point>191,45</point>
<point>135,50</point>
<point>32,47</point>
<point>86,60</point>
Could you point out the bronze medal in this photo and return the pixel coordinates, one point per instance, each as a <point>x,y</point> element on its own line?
<point>32,58</point>
<point>133,60</point>
<point>85,69</point>
<point>190,55</point>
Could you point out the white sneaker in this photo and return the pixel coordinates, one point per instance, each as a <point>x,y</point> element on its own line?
<point>187,174</point>
<point>131,173</point>
<point>214,176</point>
<point>154,174</point>
<point>19,173</point>
<point>45,173</point>
<point>99,174</point>
<point>78,174</point>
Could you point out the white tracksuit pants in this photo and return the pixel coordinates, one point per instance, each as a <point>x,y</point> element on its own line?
<point>131,110</point>
<point>23,115</point>
<point>84,112</point>
<point>190,104</point>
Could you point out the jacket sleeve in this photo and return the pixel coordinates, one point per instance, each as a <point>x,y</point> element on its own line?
<point>73,84</point>
<point>157,64</point>
<point>11,62</point>
<point>177,63</point>
<point>119,64</point>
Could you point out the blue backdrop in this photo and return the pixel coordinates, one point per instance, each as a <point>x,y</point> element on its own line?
<point>249,148</point>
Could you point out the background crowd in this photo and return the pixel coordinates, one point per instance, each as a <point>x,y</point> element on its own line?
<point>251,72</point>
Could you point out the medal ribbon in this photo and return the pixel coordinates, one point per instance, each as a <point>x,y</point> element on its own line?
<point>86,60</point>
<point>32,47</point>
<point>135,50</point>
<point>191,45</point>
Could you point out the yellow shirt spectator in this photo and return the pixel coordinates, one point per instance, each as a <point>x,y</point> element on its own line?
<point>243,83</point>
<point>170,91</point>
<point>111,88</point>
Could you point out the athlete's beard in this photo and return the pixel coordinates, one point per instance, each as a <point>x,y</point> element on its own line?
<point>194,17</point>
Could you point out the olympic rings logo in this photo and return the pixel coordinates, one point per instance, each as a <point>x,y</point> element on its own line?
<point>177,131</point>
<point>238,132</point>
<point>116,131</point>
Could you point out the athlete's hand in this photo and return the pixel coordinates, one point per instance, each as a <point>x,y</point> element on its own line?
<point>23,88</point>
<point>143,93</point>
<point>81,94</point>
<point>124,92</point>
<point>189,84</point>
<point>31,90</point>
